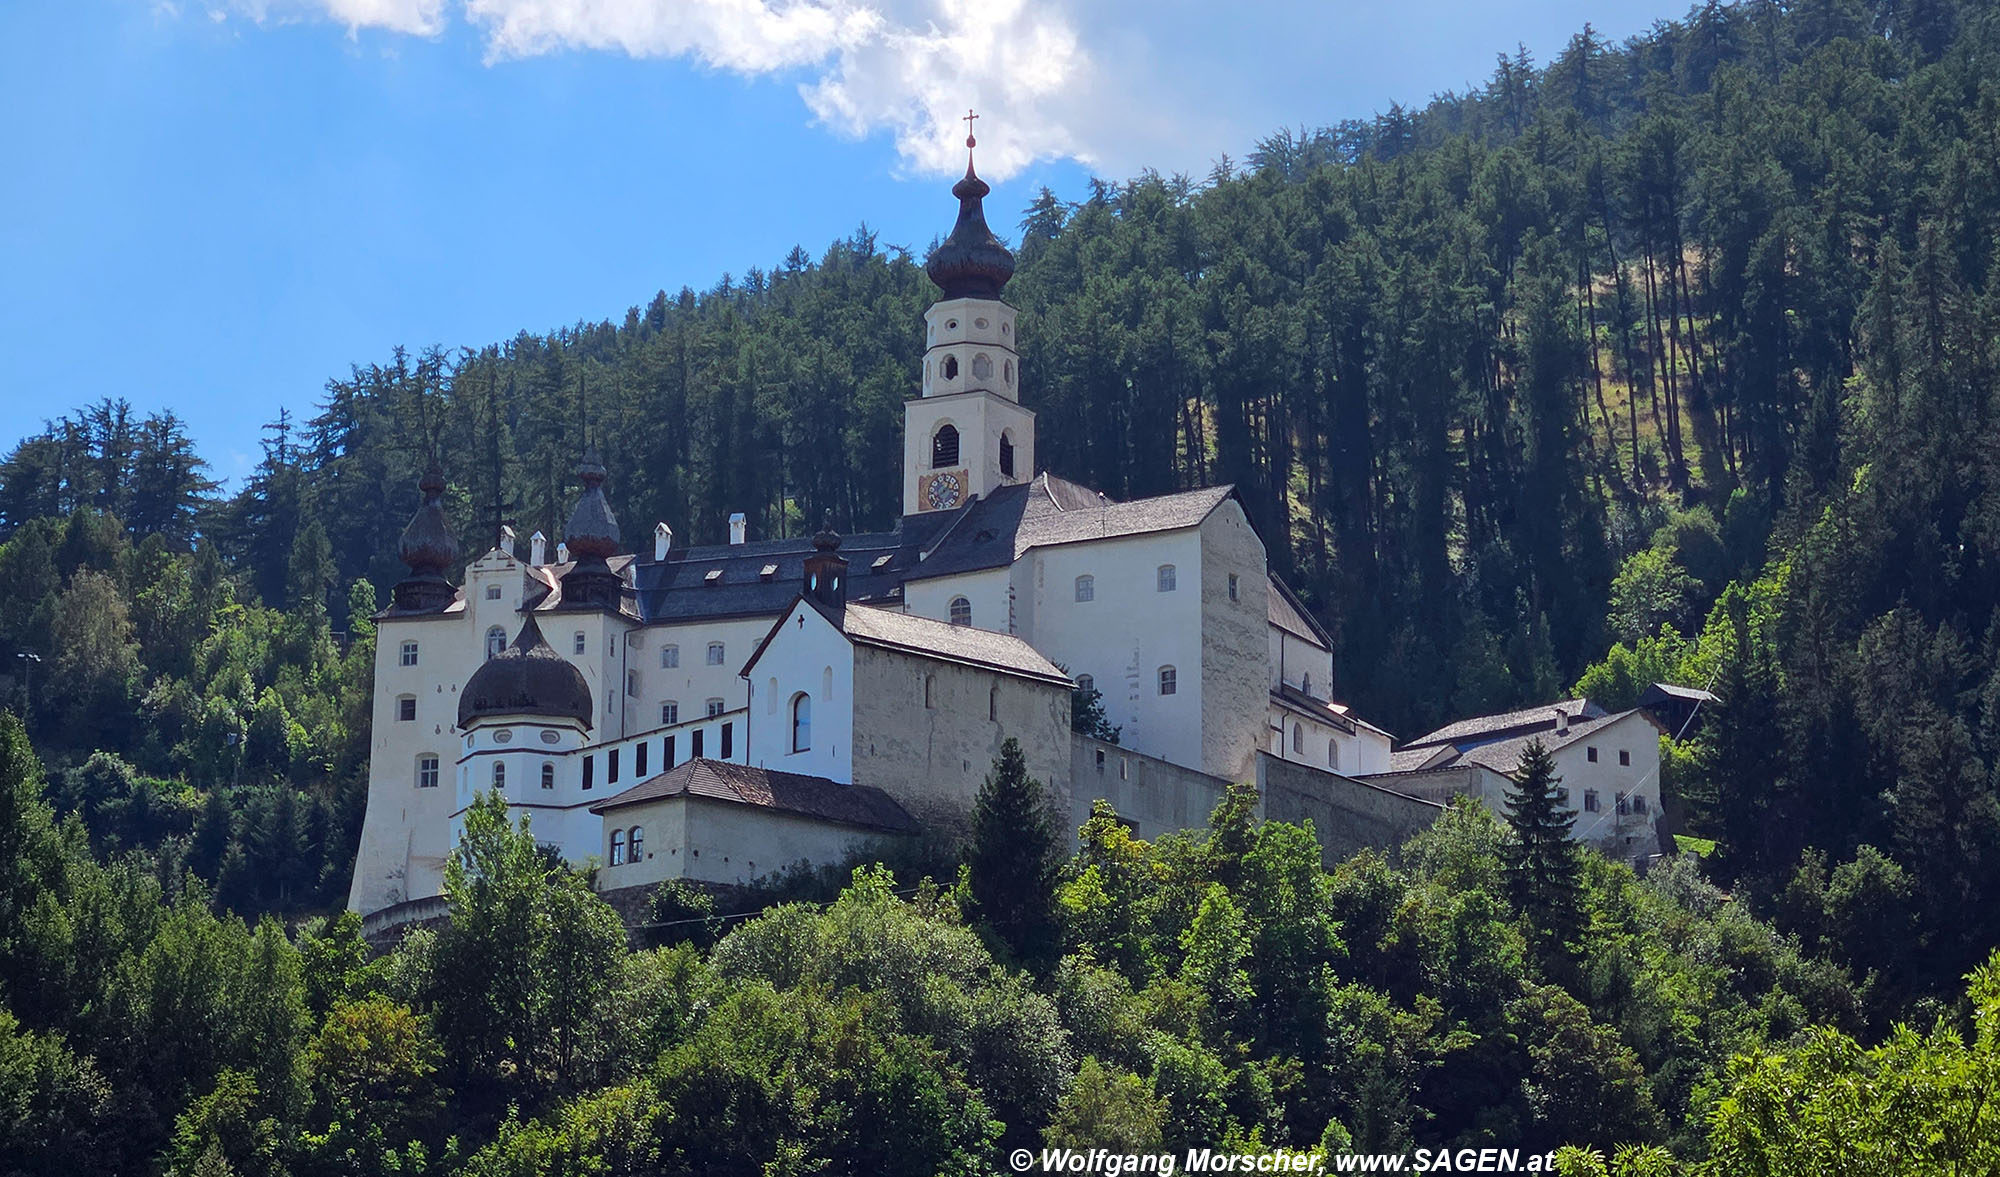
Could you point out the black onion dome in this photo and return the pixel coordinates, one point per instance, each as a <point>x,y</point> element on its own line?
<point>526,678</point>
<point>429,547</point>
<point>593,529</point>
<point>971,263</point>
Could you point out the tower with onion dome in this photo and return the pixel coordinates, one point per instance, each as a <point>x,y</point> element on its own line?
<point>967,435</point>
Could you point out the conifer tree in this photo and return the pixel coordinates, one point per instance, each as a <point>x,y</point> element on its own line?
<point>1012,863</point>
<point>1543,875</point>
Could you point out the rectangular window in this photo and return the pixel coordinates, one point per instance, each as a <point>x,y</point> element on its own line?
<point>589,771</point>
<point>1590,800</point>
<point>1590,754</point>
<point>1625,757</point>
<point>728,740</point>
<point>1166,578</point>
<point>579,643</point>
<point>406,708</point>
<point>492,592</point>
<point>1169,680</point>
<point>1638,803</point>
<point>408,654</point>
<point>670,657</point>
<point>1124,768</point>
<point>670,714</point>
<point>611,767</point>
<point>715,708</point>
<point>631,682</point>
<point>1622,807</point>
<point>427,772</point>
<point>694,744</point>
<point>1100,761</point>
<point>715,653</point>
<point>639,759</point>
<point>1232,586</point>
<point>1562,798</point>
<point>667,752</point>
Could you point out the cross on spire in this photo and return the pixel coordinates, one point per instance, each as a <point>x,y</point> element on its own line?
<point>970,142</point>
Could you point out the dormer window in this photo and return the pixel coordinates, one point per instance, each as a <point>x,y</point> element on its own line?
<point>944,447</point>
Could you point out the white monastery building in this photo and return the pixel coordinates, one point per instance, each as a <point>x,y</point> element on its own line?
<point>719,713</point>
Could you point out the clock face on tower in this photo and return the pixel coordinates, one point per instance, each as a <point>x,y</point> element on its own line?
<point>944,491</point>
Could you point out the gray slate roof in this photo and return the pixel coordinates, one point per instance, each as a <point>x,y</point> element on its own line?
<point>1489,728</point>
<point>812,797</point>
<point>956,643</point>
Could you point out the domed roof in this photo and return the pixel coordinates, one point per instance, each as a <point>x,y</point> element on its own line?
<point>428,545</point>
<point>527,678</point>
<point>971,263</point>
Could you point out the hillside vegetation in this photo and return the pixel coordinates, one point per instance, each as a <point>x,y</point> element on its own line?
<point>1674,359</point>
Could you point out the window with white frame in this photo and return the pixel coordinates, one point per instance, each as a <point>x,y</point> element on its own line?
<point>961,611</point>
<point>617,847</point>
<point>670,657</point>
<point>496,641</point>
<point>802,718</point>
<point>670,713</point>
<point>715,653</point>
<point>1169,680</point>
<point>548,775</point>
<point>714,708</point>
<point>427,772</point>
<point>1164,578</point>
<point>499,774</point>
<point>407,655</point>
<point>492,592</point>
<point>636,844</point>
<point>1086,587</point>
<point>579,643</point>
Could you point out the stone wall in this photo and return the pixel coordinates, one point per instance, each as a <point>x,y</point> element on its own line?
<point>1348,815</point>
<point>1235,652</point>
<point>1156,796</point>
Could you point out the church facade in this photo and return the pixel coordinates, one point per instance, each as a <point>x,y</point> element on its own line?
<point>720,712</point>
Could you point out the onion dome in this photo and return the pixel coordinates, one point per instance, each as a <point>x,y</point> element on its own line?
<point>430,549</point>
<point>592,538</point>
<point>528,678</point>
<point>593,529</point>
<point>971,263</point>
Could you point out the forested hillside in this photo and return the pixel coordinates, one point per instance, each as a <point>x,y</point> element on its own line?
<point>1674,359</point>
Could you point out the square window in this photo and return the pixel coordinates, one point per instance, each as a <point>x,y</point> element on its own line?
<point>406,708</point>
<point>492,592</point>
<point>408,654</point>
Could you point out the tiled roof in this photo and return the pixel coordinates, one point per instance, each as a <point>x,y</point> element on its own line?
<point>812,797</point>
<point>1285,613</point>
<point>1055,514</point>
<point>1505,756</point>
<point>956,643</point>
<point>1418,759</point>
<point>1497,726</point>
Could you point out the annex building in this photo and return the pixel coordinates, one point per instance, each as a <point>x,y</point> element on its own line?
<point>718,713</point>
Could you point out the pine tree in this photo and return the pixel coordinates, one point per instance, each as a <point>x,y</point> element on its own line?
<point>1543,876</point>
<point>1012,863</point>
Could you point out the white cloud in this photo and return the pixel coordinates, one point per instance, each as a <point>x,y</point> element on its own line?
<point>909,68</point>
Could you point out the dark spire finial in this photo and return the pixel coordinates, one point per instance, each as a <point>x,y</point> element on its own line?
<point>970,142</point>
<point>828,540</point>
<point>971,263</point>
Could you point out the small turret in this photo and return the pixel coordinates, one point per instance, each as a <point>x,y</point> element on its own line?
<point>826,569</point>
<point>591,539</point>
<point>430,549</point>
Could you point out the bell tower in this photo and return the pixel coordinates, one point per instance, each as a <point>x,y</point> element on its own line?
<point>967,434</point>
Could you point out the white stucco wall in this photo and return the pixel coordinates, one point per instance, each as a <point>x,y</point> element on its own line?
<point>806,656</point>
<point>711,841</point>
<point>989,592</point>
<point>694,681</point>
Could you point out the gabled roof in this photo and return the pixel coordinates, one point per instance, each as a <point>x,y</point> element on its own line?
<point>1503,755</point>
<point>1490,728</point>
<point>1318,710</point>
<point>908,633</point>
<point>1058,512</point>
<point>813,797</point>
<point>1289,613</point>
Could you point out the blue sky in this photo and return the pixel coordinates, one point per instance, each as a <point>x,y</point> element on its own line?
<point>214,206</point>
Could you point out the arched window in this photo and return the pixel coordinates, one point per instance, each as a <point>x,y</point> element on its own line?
<point>637,841</point>
<point>427,772</point>
<point>950,367</point>
<point>1085,683</point>
<point>499,774</point>
<point>1086,587</point>
<point>982,367</point>
<point>1164,578</point>
<point>1006,455</point>
<point>1299,738</point>
<point>1333,753</point>
<point>617,847</point>
<point>1306,683</point>
<point>961,611</point>
<point>548,775</point>
<point>715,653</point>
<point>1169,680</point>
<point>670,713</point>
<point>802,722</point>
<point>496,641</point>
<point>1008,367</point>
<point>944,447</point>
<point>670,657</point>
<point>714,708</point>
<point>579,642</point>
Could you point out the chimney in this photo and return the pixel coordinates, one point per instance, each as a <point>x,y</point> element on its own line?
<point>562,553</point>
<point>538,547</point>
<point>507,539</point>
<point>663,541</point>
<point>1562,722</point>
<point>738,525</point>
